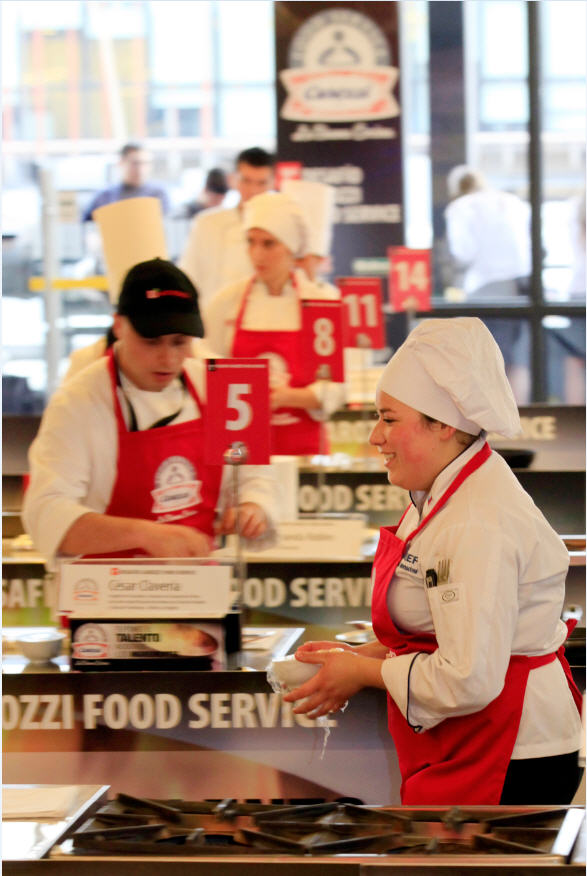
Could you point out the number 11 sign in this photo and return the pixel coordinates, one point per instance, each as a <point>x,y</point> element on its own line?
<point>237,409</point>
<point>363,314</point>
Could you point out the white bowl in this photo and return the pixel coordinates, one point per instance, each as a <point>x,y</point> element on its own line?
<point>41,646</point>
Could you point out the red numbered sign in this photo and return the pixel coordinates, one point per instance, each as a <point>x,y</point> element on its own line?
<point>362,312</point>
<point>409,278</point>
<point>286,170</point>
<point>322,348</point>
<point>237,409</point>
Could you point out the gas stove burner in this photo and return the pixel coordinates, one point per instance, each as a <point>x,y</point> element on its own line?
<point>508,836</point>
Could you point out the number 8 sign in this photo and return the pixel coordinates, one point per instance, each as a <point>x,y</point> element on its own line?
<point>237,409</point>
<point>322,349</point>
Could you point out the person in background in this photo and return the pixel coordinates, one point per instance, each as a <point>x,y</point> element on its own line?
<point>215,189</point>
<point>117,467</point>
<point>216,252</point>
<point>468,591</point>
<point>567,342</point>
<point>260,315</point>
<point>317,202</point>
<point>488,236</point>
<point>135,166</point>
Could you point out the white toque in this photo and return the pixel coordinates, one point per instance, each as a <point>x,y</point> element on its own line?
<point>453,370</point>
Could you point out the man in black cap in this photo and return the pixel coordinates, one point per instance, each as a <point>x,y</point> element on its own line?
<point>117,468</point>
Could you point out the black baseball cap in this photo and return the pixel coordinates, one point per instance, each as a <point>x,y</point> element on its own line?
<point>159,299</point>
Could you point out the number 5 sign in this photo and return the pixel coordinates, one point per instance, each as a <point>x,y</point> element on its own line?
<point>409,278</point>
<point>363,314</point>
<point>322,349</point>
<point>237,409</point>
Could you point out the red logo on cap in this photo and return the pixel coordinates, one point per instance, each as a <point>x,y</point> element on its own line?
<point>159,293</point>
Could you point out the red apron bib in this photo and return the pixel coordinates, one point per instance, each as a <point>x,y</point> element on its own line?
<point>160,474</point>
<point>462,760</point>
<point>293,431</point>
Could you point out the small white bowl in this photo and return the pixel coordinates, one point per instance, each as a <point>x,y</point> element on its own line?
<point>41,646</point>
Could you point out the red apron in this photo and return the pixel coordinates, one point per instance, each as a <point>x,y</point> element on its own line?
<point>160,474</point>
<point>463,760</point>
<point>293,431</point>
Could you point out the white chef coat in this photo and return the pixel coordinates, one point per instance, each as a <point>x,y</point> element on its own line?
<point>265,312</point>
<point>73,459</point>
<point>489,233</point>
<point>503,595</point>
<point>80,359</point>
<point>216,251</point>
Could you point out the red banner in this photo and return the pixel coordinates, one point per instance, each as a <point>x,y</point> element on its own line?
<point>237,409</point>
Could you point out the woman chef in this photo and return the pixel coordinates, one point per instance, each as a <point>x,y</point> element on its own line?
<point>260,316</point>
<point>467,592</point>
<point>117,466</point>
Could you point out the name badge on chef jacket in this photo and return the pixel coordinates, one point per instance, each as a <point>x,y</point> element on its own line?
<point>237,409</point>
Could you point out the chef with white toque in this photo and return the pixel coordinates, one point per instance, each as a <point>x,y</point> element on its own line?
<point>260,316</point>
<point>468,591</point>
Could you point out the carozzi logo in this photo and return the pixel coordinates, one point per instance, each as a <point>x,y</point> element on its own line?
<point>340,70</point>
<point>176,486</point>
<point>90,642</point>
<point>85,590</point>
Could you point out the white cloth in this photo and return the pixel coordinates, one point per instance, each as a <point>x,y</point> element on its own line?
<point>453,370</point>
<point>265,312</point>
<point>281,216</point>
<point>215,252</point>
<point>488,232</point>
<point>503,595</point>
<point>73,458</point>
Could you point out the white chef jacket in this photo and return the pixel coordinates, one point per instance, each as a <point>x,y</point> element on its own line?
<point>73,459</point>
<point>216,251</point>
<point>489,233</point>
<point>265,312</point>
<point>503,595</point>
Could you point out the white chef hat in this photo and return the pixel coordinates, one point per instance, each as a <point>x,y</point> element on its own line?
<point>281,216</point>
<point>453,370</point>
<point>317,202</point>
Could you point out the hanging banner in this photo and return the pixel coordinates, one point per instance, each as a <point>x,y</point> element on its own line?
<point>339,117</point>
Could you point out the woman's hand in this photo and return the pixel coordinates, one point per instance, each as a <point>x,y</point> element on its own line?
<point>252,521</point>
<point>343,673</point>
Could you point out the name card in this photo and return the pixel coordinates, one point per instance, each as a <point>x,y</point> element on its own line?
<point>318,539</point>
<point>115,589</point>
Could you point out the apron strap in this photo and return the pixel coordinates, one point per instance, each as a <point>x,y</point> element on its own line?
<point>476,462</point>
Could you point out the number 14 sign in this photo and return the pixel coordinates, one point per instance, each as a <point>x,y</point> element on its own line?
<point>237,409</point>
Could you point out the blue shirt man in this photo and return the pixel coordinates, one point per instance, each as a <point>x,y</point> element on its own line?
<point>135,164</point>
